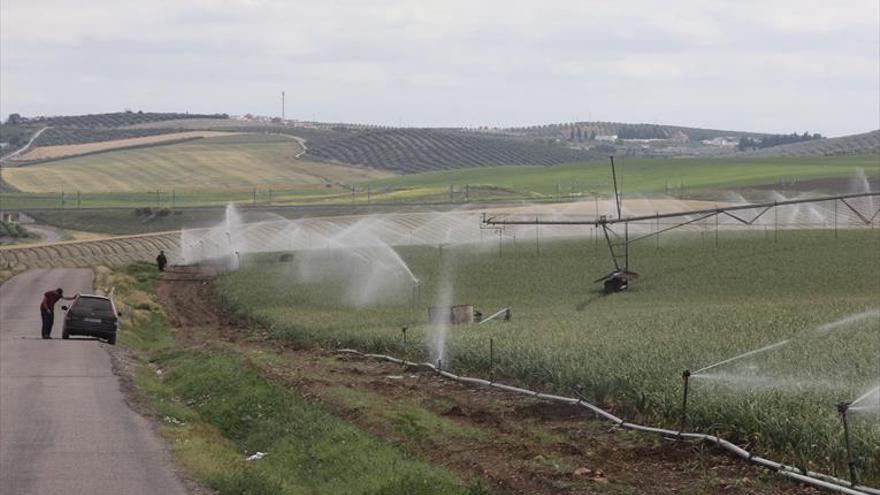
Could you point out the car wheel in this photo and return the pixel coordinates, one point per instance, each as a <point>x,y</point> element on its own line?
<point>111,340</point>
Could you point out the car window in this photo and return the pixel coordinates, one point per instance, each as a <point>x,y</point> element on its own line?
<point>93,303</point>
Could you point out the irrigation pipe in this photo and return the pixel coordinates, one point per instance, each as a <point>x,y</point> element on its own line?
<point>818,480</point>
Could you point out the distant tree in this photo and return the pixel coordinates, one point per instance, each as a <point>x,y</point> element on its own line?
<point>580,135</point>
<point>571,134</point>
<point>14,119</point>
<point>592,135</point>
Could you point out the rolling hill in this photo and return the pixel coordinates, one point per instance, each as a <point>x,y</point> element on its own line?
<point>865,143</point>
<point>227,162</point>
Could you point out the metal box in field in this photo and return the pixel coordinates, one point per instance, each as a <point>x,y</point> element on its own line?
<point>461,314</point>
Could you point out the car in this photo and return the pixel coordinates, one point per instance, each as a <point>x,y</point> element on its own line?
<point>91,315</point>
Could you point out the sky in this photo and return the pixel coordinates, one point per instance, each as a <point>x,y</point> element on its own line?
<point>765,66</point>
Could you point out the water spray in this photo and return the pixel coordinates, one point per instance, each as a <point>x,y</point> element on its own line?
<point>741,356</point>
<point>842,408</point>
<point>502,311</point>
<point>416,295</point>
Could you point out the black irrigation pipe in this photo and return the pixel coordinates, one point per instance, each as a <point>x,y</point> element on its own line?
<point>812,478</point>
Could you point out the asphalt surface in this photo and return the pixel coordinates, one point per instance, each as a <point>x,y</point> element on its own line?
<point>64,425</point>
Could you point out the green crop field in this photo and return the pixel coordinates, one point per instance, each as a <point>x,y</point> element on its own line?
<point>235,162</point>
<point>640,176</point>
<point>696,304</point>
<point>209,180</point>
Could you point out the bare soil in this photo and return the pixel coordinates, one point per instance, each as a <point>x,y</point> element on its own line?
<point>515,445</point>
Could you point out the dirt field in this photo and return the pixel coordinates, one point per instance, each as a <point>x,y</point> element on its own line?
<point>60,151</point>
<point>518,445</point>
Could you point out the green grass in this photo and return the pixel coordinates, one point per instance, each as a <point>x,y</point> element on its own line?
<point>695,305</point>
<point>215,409</point>
<point>237,162</point>
<point>641,176</point>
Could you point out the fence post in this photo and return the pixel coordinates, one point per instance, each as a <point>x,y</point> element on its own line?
<point>537,237</point>
<point>658,229</point>
<point>835,219</point>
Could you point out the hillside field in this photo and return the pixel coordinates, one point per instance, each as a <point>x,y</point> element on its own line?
<point>236,162</point>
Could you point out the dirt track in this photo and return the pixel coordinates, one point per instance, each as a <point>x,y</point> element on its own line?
<point>65,427</point>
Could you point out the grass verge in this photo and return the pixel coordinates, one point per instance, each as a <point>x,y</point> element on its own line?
<point>215,410</point>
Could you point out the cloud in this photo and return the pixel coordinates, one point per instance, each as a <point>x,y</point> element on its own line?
<point>770,66</point>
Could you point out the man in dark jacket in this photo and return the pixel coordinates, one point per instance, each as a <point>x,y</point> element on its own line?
<point>47,309</point>
<point>161,261</point>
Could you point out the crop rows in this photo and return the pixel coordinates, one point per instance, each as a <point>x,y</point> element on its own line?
<point>117,119</point>
<point>76,135</point>
<point>420,150</point>
<point>866,143</point>
<point>114,251</point>
<point>634,131</point>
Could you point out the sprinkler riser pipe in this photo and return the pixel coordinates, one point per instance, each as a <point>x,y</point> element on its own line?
<point>842,408</point>
<point>492,359</point>
<point>686,375</point>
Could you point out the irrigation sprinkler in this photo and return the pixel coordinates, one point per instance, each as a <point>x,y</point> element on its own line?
<point>616,191</point>
<point>685,376</point>
<point>502,311</point>
<point>842,408</point>
<point>491,359</point>
<point>619,277</point>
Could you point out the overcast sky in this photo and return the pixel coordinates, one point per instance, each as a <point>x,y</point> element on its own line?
<point>774,65</point>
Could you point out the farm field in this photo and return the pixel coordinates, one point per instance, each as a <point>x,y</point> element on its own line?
<point>695,305</point>
<point>218,163</point>
<point>705,178</point>
<point>643,176</point>
<point>54,152</point>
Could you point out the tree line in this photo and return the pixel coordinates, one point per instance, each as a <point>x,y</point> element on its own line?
<point>746,143</point>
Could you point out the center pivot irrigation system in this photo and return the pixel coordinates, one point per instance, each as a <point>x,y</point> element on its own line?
<point>618,280</point>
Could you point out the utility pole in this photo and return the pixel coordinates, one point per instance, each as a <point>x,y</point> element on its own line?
<point>282,107</point>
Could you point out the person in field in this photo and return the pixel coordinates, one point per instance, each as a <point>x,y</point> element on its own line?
<point>47,309</point>
<point>161,261</point>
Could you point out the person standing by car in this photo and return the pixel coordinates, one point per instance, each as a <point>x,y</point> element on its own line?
<point>47,309</point>
<point>161,261</point>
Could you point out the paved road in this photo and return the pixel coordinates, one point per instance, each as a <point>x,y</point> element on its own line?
<point>64,426</point>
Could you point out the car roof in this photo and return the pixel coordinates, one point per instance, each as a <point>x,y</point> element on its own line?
<point>94,296</point>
